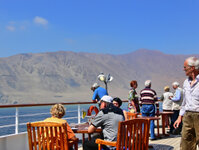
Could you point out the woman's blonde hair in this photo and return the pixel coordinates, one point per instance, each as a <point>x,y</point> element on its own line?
<point>58,110</point>
<point>166,89</point>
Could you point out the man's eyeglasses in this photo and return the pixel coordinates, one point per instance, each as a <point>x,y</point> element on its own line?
<point>187,67</point>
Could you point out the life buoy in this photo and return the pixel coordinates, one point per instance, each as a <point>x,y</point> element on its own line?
<point>90,109</point>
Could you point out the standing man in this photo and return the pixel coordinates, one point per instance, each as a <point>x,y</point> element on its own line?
<point>107,119</point>
<point>99,92</point>
<point>190,106</point>
<point>177,102</point>
<point>148,98</point>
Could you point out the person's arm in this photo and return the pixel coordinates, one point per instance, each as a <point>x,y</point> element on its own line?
<point>125,114</point>
<point>91,128</point>
<point>133,104</point>
<point>94,96</point>
<point>162,97</point>
<point>96,122</point>
<point>177,96</point>
<point>155,96</point>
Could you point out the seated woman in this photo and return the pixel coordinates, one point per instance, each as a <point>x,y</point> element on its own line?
<point>58,111</point>
<point>118,102</point>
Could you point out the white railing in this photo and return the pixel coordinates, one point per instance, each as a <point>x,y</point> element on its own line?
<point>16,116</point>
<point>18,106</point>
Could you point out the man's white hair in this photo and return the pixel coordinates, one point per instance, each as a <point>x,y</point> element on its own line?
<point>193,61</point>
<point>147,83</point>
<point>175,83</point>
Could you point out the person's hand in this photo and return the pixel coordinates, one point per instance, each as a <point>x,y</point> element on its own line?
<point>73,138</point>
<point>94,101</point>
<point>177,122</point>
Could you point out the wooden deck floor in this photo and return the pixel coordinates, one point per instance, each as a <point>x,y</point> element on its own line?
<point>171,142</point>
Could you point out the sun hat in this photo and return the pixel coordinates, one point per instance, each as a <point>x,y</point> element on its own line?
<point>107,98</point>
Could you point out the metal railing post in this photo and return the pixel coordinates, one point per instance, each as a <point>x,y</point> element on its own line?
<point>17,121</point>
<point>79,114</point>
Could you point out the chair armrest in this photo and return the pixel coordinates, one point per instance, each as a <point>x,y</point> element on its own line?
<point>76,140</point>
<point>103,142</point>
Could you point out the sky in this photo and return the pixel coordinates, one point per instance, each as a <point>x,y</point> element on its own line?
<point>99,26</point>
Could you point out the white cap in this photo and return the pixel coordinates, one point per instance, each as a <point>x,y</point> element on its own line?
<point>95,85</point>
<point>107,98</point>
<point>175,83</point>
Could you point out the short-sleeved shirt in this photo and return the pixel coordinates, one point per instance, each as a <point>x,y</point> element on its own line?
<point>108,120</point>
<point>99,93</point>
<point>133,97</point>
<point>70,133</point>
<point>167,102</point>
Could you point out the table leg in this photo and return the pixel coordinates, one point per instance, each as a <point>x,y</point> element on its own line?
<point>163,125</point>
<point>89,137</point>
<point>83,138</point>
<point>158,128</point>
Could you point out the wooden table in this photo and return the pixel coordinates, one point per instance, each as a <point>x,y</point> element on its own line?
<point>83,129</point>
<point>164,114</point>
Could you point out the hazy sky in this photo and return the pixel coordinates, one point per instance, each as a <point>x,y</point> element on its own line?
<point>99,26</point>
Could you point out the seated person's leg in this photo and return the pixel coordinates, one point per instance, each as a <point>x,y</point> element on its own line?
<point>90,145</point>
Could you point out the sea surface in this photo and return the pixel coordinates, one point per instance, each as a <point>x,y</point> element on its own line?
<point>32,114</point>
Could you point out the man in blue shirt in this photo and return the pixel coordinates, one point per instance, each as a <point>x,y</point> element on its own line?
<point>99,92</point>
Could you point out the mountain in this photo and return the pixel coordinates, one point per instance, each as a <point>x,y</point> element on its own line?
<point>66,76</point>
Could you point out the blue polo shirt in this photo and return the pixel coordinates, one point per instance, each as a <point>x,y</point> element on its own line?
<point>99,93</point>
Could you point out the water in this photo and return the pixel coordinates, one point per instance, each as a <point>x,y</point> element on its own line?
<point>71,111</point>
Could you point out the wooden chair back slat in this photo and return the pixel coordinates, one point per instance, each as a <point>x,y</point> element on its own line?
<point>136,135</point>
<point>34,139</point>
<point>48,136</point>
<point>39,138</point>
<point>53,139</point>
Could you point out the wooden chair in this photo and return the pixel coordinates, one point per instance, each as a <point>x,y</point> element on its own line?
<point>131,115</point>
<point>132,135</point>
<point>49,136</point>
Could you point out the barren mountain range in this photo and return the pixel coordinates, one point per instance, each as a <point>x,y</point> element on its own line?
<point>66,76</point>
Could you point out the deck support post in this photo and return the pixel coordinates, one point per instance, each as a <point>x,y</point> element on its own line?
<point>17,121</point>
<point>79,114</point>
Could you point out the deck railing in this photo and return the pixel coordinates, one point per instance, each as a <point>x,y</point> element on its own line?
<point>17,106</point>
